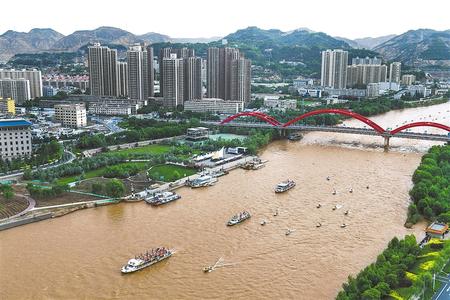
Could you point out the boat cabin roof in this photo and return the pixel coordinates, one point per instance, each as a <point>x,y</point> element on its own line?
<point>134,262</point>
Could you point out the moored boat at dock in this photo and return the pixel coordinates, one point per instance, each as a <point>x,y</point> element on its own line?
<point>284,186</point>
<point>146,259</point>
<point>162,198</point>
<point>254,164</point>
<point>241,217</point>
<point>204,180</point>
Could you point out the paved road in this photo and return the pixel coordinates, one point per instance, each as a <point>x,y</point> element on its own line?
<point>91,152</point>
<point>61,162</point>
<point>31,205</point>
<point>444,292</point>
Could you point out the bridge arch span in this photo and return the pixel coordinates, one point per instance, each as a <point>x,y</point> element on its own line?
<point>259,115</point>
<point>347,113</point>
<point>420,124</point>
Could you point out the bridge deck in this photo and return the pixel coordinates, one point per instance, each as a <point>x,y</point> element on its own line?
<point>339,129</point>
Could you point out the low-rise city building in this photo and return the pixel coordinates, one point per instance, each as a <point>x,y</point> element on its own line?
<point>7,106</point>
<point>197,133</point>
<point>49,91</point>
<point>71,115</point>
<point>303,82</point>
<point>280,104</point>
<point>15,139</point>
<point>373,90</point>
<point>346,92</point>
<point>214,105</point>
<point>419,90</point>
<point>437,230</point>
<point>310,92</point>
<point>116,107</point>
<point>388,86</point>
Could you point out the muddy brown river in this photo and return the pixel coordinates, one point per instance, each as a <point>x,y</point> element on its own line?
<point>79,256</point>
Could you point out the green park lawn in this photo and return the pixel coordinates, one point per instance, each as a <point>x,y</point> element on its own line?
<point>169,173</point>
<point>98,172</point>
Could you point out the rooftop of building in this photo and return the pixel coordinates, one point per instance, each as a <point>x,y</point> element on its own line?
<point>197,128</point>
<point>14,123</point>
<point>438,228</point>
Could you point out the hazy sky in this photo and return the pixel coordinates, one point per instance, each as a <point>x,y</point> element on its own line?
<point>203,18</point>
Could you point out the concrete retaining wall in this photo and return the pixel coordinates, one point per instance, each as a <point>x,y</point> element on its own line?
<point>25,221</point>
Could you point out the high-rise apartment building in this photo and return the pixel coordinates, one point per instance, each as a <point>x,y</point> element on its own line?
<point>334,68</point>
<point>366,61</point>
<point>137,69</point>
<point>395,70</point>
<point>359,75</point>
<point>17,89</point>
<point>122,79</point>
<point>102,63</point>
<point>172,70</point>
<point>34,78</point>
<point>240,81</point>
<point>136,76</point>
<point>408,79</point>
<point>193,78</point>
<point>212,73</point>
<point>228,74</point>
<point>15,138</point>
<point>181,53</point>
<point>150,72</point>
<point>71,115</point>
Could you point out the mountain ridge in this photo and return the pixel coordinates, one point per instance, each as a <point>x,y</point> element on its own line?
<point>414,47</point>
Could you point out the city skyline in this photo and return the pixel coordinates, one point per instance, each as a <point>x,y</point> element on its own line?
<point>285,16</point>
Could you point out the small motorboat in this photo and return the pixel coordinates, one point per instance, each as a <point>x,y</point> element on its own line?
<point>334,207</point>
<point>351,190</point>
<point>343,225</point>
<point>328,178</point>
<point>318,225</point>
<point>263,222</point>
<point>289,231</point>
<point>346,212</point>
<point>207,269</point>
<point>319,205</point>
<point>334,192</point>
<point>367,187</point>
<point>275,213</point>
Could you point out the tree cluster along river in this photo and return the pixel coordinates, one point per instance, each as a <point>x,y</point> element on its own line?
<point>80,255</point>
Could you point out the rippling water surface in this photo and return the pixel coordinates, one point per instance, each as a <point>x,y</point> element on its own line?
<point>79,255</point>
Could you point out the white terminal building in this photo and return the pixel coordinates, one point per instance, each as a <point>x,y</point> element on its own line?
<point>214,105</point>
<point>275,102</point>
<point>71,115</point>
<point>15,139</point>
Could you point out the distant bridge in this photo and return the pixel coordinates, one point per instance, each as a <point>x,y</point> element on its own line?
<point>270,122</point>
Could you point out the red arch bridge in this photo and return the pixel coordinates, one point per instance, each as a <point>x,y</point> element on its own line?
<point>267,121</point>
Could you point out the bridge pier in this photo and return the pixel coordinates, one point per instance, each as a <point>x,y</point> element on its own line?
<point>282,132</point>
<point>386,143</point>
